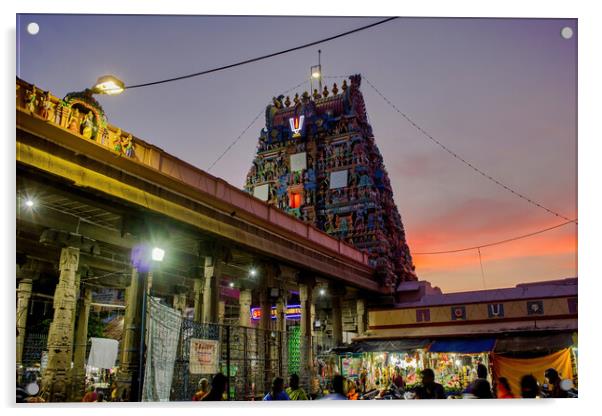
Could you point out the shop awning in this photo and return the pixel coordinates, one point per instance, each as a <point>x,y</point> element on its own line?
<point>531,343</point>
<point>460,345</point>
<point>394,345</point>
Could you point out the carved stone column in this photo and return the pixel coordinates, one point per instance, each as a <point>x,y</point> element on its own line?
<point>55,381</point>
<point>336,294</point>
<point>306,348</point>
<point>199,286</point>
<point>80,344</point>
<point>361,316</point>
<point>130,339</point>
<point>245,300</point>
<point>179,303</point>
<point>23,296</point>
<point>211,293</point>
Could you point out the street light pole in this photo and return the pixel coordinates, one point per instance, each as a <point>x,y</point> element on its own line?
<point>141,360</point>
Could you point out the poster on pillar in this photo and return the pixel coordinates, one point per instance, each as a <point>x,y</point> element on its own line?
<point>204,356</point>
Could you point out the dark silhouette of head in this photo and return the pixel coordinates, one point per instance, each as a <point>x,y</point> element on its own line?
<point>528,387</point>
<point>277,385</point>
<point>482,371</point>
<point>482,389</point>
<point>428,376</point>
<point>504,382</point>
<point>552,375</point>
<point>219,384</point>
<point>293,381</point>
<point>338,384</point>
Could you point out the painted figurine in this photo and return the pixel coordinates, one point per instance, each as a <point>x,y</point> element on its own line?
<point>116,141</point>
<point>74,121</point>
<point>87,126</point>
<point>127,145</point>
<point>31,100</point>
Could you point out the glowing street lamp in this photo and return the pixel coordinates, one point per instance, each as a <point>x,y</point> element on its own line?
<point>29,203</point>
<point>108,84</point>
<point>157,254</point>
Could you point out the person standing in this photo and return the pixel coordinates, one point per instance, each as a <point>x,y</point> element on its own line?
<point>293,390</point>
<point>90,396</point>
<point>554,390</point>
<point>202,391</point>
<point>398,379</point>
<point>218,387</point>
<point>277,392</point>
<point>503,389</point>
<point>529,388</point>
<point>429,389</point>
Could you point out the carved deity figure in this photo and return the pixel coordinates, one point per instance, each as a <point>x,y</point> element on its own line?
<point>31,100</point>
<point>87,125</point>
<point>127,145</point>
<point>74,121</point>
<point>116,141</point>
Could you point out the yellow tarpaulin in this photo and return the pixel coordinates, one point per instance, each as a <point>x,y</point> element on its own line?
<point>515,368</point>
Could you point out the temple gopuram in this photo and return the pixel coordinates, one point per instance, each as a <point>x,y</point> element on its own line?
<point>317,160</point>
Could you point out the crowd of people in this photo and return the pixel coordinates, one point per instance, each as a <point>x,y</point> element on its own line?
<point>341,388</point>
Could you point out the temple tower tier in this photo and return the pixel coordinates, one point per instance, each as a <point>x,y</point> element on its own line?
<point>317,159</point>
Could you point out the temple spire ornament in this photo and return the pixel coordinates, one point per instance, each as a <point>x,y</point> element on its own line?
<point>319,161</point>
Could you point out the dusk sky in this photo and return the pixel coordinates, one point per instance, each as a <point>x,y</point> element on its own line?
<point>499,92</point>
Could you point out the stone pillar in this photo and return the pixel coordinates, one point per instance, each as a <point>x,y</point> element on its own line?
<point>23,296</point>
<point>306,347</point>
<point>281,313</point>
<point>80,344</point>
<point>199,286</point>
<point>221,315</point>
<point>55,381</point>
<point>130,339</point>
<point>245,299</point>
<point>282,353</point>
<point>265,322</point>
<point>361,316</point>
<point>211,293</point>
<point>179,303</point>
<point>336,294</point>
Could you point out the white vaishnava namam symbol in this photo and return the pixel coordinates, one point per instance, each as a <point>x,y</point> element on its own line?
<point>296,125</point>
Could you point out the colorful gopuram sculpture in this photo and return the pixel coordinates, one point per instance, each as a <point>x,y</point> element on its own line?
<point>317,160</point>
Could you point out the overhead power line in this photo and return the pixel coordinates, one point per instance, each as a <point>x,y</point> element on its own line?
<point>271,55</point>
<point>461,159</point>
<point>247,128</point>
<point>497,242</point>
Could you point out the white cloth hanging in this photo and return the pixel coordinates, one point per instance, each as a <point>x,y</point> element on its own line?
<point>103,352</point>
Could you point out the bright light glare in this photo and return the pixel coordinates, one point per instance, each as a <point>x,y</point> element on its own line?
<point>322,292</point>
<point>109,85</point>
<point>29,203</point>
<point>315,74</point>
<point>253,272</point>
<point>231,284</point>
<point>157,254</point>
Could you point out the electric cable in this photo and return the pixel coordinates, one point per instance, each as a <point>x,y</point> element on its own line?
<point>271,55</point>
<point>461,159</point>
<point>247,128</point>
<point>497,242</point>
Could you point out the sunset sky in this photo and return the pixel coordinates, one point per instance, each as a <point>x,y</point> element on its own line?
<point>499,92</point>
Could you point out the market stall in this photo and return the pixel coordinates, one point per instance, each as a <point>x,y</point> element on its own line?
<point>518,355</point>
<point>374,363</point>
<point>455,361</point>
